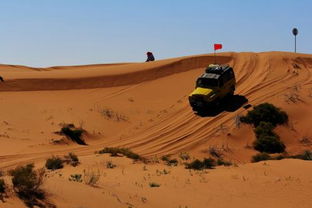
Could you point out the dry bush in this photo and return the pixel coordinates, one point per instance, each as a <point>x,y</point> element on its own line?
<point>110,114</point>
<point>91,177</point>
<point>75,178</point>
<point>214,151</point>
<point>71,159</point>
<point>116,151</point>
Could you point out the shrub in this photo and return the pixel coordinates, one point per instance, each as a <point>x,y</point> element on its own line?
<point>265,112</point>
<point>54,163</point>
<point>73,133</point>
<point>306,155</point>
<point>269,144</point>
<point>2,187</point>
<point>114,151</point>
<point>71,159</point>
<point>207,163</point>
<point>153,184</point>
<point>260,157</point>
<point>215,152</point>
<point>27,183</point>
<point>264,129</point>
<point>75,178</point>
<point>165,158</point>
<point>223,162</point>
<point>172,162</point>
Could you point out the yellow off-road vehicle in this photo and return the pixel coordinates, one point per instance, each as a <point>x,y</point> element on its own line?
<point>216,83</point>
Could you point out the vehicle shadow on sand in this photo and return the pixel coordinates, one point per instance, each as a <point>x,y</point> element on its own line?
<point>230,104</point>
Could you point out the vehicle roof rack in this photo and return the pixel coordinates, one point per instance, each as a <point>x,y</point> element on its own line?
<point>217,69</point>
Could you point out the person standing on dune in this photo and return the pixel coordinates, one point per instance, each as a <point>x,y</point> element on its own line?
<point>150,57</point>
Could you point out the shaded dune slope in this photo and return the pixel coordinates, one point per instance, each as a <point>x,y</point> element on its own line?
<point>101,76</point>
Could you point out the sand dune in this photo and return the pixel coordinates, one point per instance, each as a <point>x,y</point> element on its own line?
<point>149,113</point>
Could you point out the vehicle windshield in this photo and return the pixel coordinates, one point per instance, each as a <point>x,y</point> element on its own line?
<point>207,83</point>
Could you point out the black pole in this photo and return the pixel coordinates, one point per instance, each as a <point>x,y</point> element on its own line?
<point>295,43</point>
<point>215,58</point>
<point>295,33</point>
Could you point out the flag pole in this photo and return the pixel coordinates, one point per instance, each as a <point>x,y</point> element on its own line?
<point>215,58</point>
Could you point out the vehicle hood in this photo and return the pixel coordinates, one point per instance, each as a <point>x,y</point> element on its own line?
<point>201,91</point>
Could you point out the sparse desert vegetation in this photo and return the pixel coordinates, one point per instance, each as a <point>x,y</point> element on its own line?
<point>261,157</point>
<point>110,114</point>
<point>2,189</point>
<point>265,112</point>
<point>91,177</point>
<point>27,184</point>
<point>305,155</point>
<point>206,163</point>
<point>71,159</point>
<point>73,133</point>
<point>75,178</point>
<point>115,152</point>
<point>264,118</point>
<point>54,163</point>
<point>169,161</point>
<point>153,184</point>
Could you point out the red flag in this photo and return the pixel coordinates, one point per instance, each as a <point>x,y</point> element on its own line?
<point>217,46</point>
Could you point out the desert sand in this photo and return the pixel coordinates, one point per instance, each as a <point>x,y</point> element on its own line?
<point>144,107</point>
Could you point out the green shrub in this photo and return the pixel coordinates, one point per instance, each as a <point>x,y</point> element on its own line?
<point>269,144</point>
<point>260,157</point>
<point>54,163</point>
<point>206,163</point>
<point>223,162</point>
<point>264,129</point>
<point>27,182</point>
<point>306,155</point>
<point>73,133</point>
<point>115,151</point>
<point>2,187</point>
<point>165,158</point>
<point>265,112</point>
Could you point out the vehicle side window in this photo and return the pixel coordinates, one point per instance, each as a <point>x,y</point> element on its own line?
<point>226,76</point>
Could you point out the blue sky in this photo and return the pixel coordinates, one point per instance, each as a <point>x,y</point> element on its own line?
<point>72,32</point>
